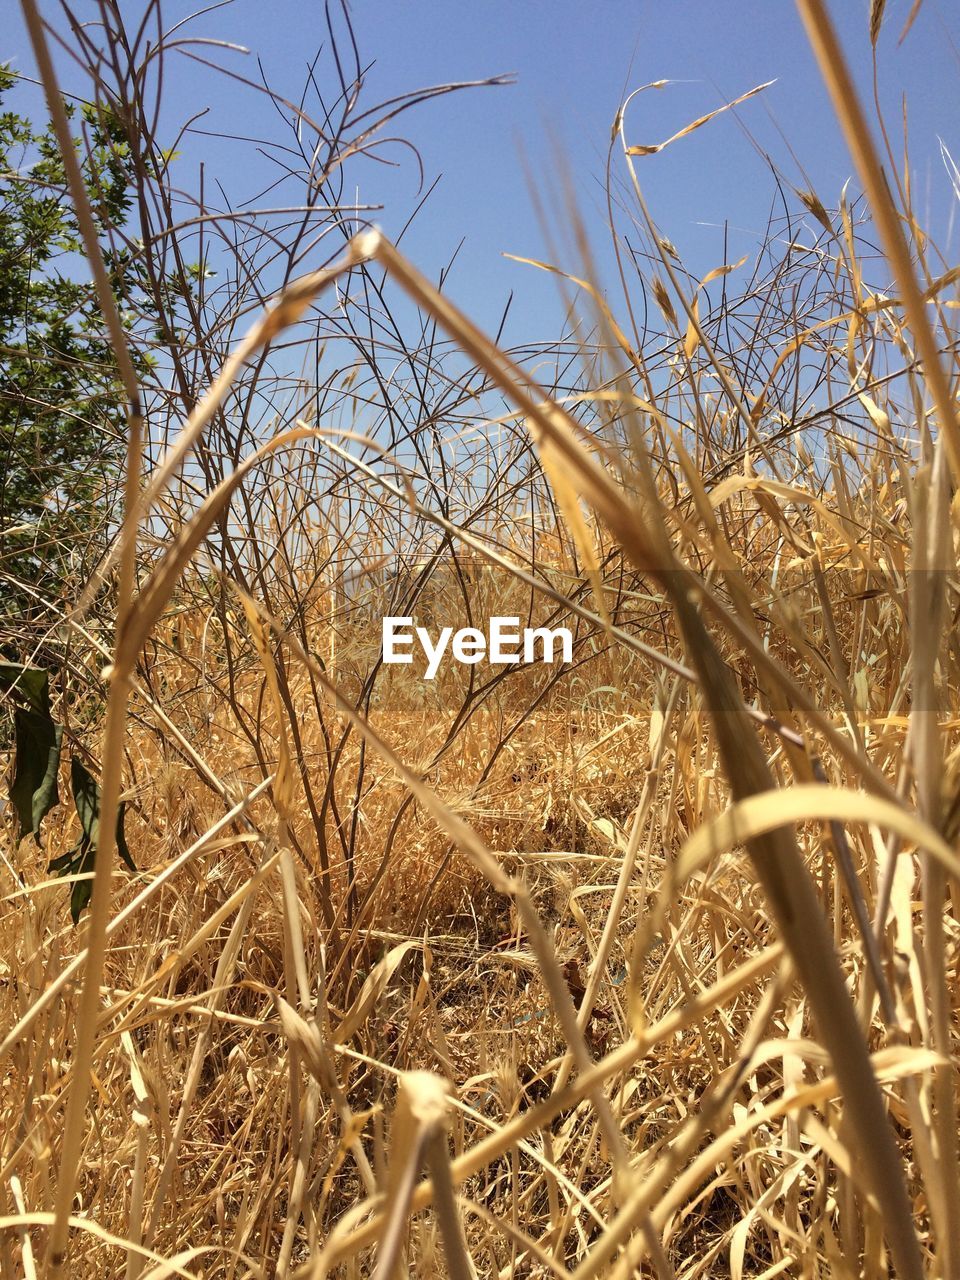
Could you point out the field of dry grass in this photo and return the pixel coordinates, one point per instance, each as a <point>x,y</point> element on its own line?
<point>642,965</point>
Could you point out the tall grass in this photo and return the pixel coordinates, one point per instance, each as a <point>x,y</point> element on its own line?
<point>643,965</point>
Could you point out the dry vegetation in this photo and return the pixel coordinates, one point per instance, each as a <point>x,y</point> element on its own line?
<point>520,972</point>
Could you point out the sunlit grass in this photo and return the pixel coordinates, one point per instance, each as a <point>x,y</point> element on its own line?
<point>659,1042</point>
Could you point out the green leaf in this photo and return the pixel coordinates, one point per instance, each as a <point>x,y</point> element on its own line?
<point>86,796</point>
<point>79,860</point>
<point>122,849</point>
<point>34,787</point>
<point>31,683</point>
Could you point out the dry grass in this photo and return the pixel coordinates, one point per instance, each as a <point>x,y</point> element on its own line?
<point>648,964</point>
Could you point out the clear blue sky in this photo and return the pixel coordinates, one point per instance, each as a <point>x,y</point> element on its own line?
<point>573,62</point>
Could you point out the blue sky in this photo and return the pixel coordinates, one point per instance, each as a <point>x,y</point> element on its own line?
<point>573,62</point>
